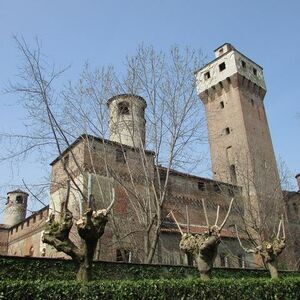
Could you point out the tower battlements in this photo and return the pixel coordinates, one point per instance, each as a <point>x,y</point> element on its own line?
<point>228,62</point>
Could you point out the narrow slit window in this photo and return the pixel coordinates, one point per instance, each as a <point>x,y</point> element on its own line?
<point>222,66</point>
<point>227,130</point>
<point>222,104</point>
<point>254,71</point>
<point>233,174</point>
<point>243,64</point>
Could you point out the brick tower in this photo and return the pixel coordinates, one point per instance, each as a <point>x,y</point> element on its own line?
<point>232,89</point>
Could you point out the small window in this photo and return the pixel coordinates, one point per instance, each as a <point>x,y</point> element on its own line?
<point>126,255</point>
<point>227,130</point>
<point>295,208</point>
<point>233,174</point>
<point>241,260</point>
<point>216,187</point>
<point>222,66</point>
<point>201,186</point>
<point>243,64</point>
<point>223,260</point>
<point>120,156</point>
<point>190,259</point>
<point>19,199</point>
<point>206,75</point>
<point>221,104</point>
<point>123,108</point>
<point>252,102</point>
<point>221,51</point>
<point>254,71</point>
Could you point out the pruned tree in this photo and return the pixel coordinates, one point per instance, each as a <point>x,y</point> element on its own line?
<point>90,228</point>
<point>204,247</point>
<point>35,87</point>
<point>269,251</point>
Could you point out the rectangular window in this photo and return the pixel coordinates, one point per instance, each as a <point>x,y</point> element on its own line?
<point>221,104</point>
<point>243,64</point>
<point>241,259</point>
<point>216,187</point>
<point>120,156</point>
<point>222,66</point>
<point>233,174</point>
<point>123,255</point>
<point>223,260</point>
<point>190,259</point>
<point>254,71</point>
<point>201,186</point>
<point>227,130</point>
<point>207,75</point>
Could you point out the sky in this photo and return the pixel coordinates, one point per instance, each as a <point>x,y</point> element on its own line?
<point>104,32</point>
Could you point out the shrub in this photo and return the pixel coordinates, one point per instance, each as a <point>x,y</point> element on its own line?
<point>288,289</point>
<point>59,269</point>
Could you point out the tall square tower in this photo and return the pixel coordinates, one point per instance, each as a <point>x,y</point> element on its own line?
<point>232,89</point>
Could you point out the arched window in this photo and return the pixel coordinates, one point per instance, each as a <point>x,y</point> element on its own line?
<point>123,108</point>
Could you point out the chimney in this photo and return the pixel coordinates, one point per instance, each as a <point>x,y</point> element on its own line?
<point>298,181</point>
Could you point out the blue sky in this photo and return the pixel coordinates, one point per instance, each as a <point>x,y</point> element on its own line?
<point>104,32</point>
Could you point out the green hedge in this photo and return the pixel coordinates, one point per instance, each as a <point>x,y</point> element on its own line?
<point>288,288</point>
<point>58,269</point>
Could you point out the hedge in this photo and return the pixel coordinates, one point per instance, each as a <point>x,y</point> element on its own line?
<point>287,289</point>
<point>58,269</point>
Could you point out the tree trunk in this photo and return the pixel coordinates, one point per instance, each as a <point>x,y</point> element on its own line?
<point>84,272</point>
<point>204,265</point>
<point>272,266</point>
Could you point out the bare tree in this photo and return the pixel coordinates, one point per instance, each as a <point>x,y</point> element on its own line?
<point>174,129</point>
<point>36,89</point>
<point>269,250</point>
<point>204,247</point>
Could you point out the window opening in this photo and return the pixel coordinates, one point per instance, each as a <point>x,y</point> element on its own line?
<point>233,174</point>
<point>206,75</point>
<point>222,66</point>
<point>126,253</point>
<point>243,64</point>
<point>254,71</point>
<point>222,104</point>
<point>120,156</point>
<point>227,130</point>
<point>19,199</point>
<point>190,259</point>
<point>201,186</point>
<point>123,108</point>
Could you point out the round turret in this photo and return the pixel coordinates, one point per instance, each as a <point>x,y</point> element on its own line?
<point>127,119</point>
<point>15,208</point>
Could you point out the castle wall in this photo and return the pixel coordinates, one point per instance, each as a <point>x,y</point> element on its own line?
<point>24,239</point>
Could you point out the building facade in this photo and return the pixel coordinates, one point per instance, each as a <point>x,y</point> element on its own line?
<point>232,89</point>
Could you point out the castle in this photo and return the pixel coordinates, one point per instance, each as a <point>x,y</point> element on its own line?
<point>232,89</point>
